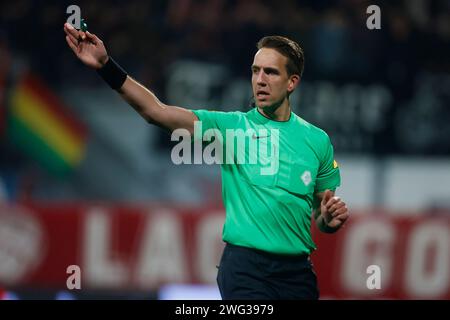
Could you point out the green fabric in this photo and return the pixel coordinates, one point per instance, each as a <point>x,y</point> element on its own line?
<point>272,212</point>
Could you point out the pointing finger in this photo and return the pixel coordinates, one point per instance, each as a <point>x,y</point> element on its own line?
<point>69,29</point>
<point>71,44</point>
<point>72,40</point>
<point>92,37</point>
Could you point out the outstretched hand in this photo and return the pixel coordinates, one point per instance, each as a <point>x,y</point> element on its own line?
<point>333,210</point>
<point>86,46</point>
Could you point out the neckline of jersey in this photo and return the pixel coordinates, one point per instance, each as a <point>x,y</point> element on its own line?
<point>274,123</point>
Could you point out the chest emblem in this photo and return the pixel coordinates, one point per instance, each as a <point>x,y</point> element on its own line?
<point>306,177</point>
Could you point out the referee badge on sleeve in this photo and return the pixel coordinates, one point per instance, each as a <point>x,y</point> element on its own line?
<point>335,164</point>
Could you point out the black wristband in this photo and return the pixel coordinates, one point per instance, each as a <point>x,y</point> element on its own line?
<point>113,74</point>
<point>326,228</point>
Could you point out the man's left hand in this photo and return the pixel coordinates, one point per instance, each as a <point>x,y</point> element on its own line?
<point>333,210</point>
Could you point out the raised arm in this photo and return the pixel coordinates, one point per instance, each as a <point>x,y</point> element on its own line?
<point>330,213</point>
<point>92,52</point>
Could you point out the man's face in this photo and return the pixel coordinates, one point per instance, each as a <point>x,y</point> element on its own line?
<point>270,81</point>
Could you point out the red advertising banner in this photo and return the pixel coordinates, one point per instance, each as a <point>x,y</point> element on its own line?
<point>410,253</point>
<point>376,256</point>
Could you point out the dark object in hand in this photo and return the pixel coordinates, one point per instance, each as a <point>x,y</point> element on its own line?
<point>83,25</point>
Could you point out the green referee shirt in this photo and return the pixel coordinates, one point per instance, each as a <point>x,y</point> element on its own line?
<point>269,201</point>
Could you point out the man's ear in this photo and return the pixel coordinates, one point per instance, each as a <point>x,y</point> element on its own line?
<point>294,81</point>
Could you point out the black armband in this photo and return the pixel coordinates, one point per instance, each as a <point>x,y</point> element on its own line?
<point>113,74</point>
<point>326,228</point>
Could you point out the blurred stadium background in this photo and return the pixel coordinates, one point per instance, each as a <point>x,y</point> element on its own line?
<point>85,181</point>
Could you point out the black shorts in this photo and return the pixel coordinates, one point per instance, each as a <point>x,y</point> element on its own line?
<point>246,273</point>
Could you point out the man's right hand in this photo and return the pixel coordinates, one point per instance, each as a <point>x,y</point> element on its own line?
<point>86,46</point>
<point>90,49</point>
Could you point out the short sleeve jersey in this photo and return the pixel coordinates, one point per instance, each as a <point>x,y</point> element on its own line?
<point>270,173</point>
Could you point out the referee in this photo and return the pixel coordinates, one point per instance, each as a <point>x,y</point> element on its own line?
<point>268,216</point>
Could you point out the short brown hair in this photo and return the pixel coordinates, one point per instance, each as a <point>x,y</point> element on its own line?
<point>288,48</point>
